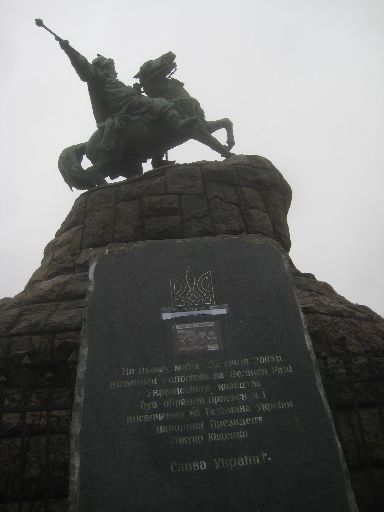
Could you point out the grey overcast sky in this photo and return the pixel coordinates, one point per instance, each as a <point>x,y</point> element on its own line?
<point>302,80</point>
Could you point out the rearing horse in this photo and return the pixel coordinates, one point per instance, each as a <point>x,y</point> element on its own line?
<point>155,79</point>
<point>132,127</point>
<point>137,132</point>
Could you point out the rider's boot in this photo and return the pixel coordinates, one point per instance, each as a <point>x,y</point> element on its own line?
<point>179,123</point>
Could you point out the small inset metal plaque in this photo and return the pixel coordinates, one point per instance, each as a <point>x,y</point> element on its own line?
<point>197,337</point>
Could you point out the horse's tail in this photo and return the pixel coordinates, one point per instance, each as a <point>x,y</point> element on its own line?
<point>73,173</point>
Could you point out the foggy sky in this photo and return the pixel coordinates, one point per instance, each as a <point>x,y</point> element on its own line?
<point>302,80</point>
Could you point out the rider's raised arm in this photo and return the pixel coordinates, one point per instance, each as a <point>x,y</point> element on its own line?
<point>83,68</point>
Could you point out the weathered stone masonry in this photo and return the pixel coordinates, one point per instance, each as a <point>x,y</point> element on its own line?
<point>40,327</point>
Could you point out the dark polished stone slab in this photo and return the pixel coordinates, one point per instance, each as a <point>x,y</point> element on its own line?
<point>200,392</point>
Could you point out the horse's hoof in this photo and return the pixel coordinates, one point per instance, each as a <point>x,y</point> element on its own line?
<point>230,144</point>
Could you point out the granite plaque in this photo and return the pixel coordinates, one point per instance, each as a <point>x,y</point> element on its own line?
<point>197,387</point>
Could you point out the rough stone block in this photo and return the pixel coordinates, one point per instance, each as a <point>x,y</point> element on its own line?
<point>68,242</point>
<point>276,214</point>
<point>202,226</point>
<point>10,468</point>
<point>63,395</point>
<point>58,505</point>
<point>185,181</point>
<point>101,199</point>
<point>274,199</point>
<point>128,226</point>
<point>13,395</point>
<point>76,286</point>
<point>5,301</point>
<point>19,347</point>
<point>41,348</point>
<point>36,422</point>
<point>213,172</point>
<point>373,434</point>
<point>157,228</point>
<point>154,206</point>
<point>64,264</point>
<point>66,346</point>
<point>67,286</point>
<point>99,227</point>
<point>49,249</point>
<point>250,198</point>
<point>55,505</point>
<point>39,396</point>
<point>82,262</point>
<point>60,422</point>
<point>251,160</point>
<point>282,234</point>
<point>258,222</point>
<point>261,179</point>
<point>8,319</point>
<point>146,186</point>
<point>41,273</point>
<point>67,317</point>
<point>30,319</point>
<point>346,428</point>
<point>193,206</point>
<point>59,461</point>
<point>34,467</point>
<point>4,351</point>
<point>11,424</point>
<point>221,191</point>
<point>363,484</point>
<point>227,217</point>
<point>43,291</point>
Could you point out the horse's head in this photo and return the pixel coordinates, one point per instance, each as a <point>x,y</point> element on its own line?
<point>157,69</point>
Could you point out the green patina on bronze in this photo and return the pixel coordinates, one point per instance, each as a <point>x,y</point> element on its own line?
<point>133,127</point>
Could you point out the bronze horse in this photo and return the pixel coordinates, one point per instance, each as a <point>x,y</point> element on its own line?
<point>155,79</point>
<point>144,138</point>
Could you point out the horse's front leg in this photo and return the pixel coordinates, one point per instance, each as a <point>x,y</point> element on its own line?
<point>225,123</point>
<point>202,134</point>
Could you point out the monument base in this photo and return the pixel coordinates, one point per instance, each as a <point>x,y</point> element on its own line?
<point>197,386</point>
<point>40,327</point>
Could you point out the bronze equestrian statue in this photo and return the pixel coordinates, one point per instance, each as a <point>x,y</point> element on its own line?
<point>132,127</point>
<point>155,79</point>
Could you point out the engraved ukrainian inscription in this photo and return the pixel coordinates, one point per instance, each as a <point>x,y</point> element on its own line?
<point>212,401</point>
<point>200,391</point>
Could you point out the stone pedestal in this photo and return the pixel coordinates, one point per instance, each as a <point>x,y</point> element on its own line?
<point>197,388</point>
<point>40,327</point>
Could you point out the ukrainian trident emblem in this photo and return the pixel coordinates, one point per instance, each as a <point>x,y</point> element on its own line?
<point>193,292</point>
